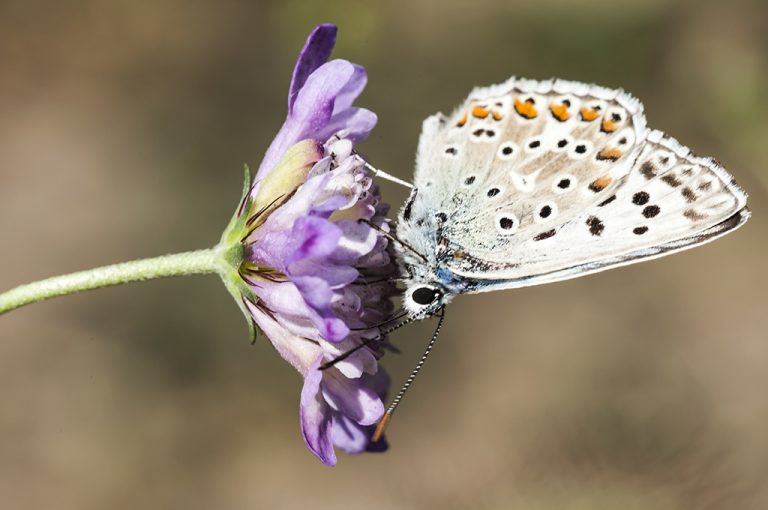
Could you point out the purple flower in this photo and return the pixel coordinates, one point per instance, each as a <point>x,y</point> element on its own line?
<point>320,99</point>
<point>315,277</point>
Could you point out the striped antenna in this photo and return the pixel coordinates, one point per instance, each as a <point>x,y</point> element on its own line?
<point>368,341</point>
<point>396,401</point>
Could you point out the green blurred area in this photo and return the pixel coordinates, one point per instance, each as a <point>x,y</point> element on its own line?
<point>123,130</point>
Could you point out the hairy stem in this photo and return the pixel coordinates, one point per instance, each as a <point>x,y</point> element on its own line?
<point>179,264</point>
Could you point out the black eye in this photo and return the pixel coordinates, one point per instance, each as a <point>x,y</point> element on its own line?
<point>425,295</point>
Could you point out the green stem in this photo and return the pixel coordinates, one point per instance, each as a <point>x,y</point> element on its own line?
<point>194,262</point>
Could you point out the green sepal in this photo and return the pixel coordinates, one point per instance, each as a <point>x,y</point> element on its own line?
<point>240,292</point>
<point>277,186</point>
<point>233,233</point>
<point>231,254</point>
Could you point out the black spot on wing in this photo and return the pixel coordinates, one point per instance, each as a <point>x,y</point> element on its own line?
<point>545,235</point>
<point>672,180</point>
<point>596,226</point>
<point>641,198</point>
<point>651,211</point>
<point>648,170</point>
<point>689,194</point>
<point>506,223</point>
<point>694,215</point>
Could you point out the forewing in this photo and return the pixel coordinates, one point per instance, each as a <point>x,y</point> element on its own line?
<point>525,154</point>
<point>569,181</point>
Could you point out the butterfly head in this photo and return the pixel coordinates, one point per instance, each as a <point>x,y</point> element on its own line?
<point>423,299</point>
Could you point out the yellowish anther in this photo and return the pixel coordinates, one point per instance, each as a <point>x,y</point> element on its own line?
<point>588,114</point>
<point>560,112</point>
<point>381,427</point>
<point>526,109</point>
<point>480,112</point>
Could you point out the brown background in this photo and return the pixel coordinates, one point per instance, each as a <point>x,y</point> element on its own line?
<point>123,129</point>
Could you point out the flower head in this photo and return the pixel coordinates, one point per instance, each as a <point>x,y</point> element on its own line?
<point>313,274</point>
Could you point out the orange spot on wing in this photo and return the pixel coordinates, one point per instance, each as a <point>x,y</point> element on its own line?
<point>527,109</point>
<point>480,112</point>
<point>600,183</point>
<point>588,114</point>
<point>609,154</point>
<point>496,115</point>
<point>462,120</point>
<point>560,112</point>
<point>608,126</point>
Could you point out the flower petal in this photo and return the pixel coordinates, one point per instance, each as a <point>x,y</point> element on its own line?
<point>353,398</point>
<point>316,417</point>
<point>357,239</point>
<point>348,435</point>
<point>318,294</point>
<point>300,204</point>
<point>315,53</point>
<point>295,350</point>
<point>356,123</point>
<point>313,238</point>
<point>312,108</point>
<point>352,89</point>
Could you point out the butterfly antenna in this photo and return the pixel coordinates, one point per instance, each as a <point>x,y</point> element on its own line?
<point>386,176</point>
<point>366,342</point>
<point>396,317</point>
<point>396,401</point>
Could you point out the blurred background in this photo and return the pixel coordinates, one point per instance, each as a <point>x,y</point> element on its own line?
<point>124,126</point>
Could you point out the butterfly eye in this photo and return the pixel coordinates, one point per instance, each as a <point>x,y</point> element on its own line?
<point>425,295</point>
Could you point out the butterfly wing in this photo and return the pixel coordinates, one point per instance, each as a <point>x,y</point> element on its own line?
<point>533,182</point>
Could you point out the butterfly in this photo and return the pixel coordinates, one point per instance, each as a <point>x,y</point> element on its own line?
<point>531,182</point>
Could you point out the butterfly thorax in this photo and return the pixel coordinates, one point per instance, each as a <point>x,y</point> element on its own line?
<point>430,284</point>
